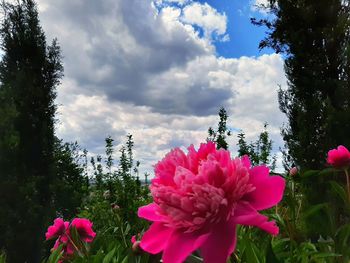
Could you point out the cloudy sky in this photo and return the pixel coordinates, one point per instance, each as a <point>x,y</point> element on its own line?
<point>161,70</point>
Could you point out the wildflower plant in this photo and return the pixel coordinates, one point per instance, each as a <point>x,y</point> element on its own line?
<point>71,237</point>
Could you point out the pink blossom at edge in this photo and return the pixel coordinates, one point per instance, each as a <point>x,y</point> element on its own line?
<point>84,229</point>
<point>57,229</point>
<point>339,158</point>
<point>61,230</point>
<point>200,197</point>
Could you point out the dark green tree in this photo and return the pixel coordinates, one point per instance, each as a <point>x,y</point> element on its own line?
<point>109,155</point>
<point>314,36</point>
<point>219,136</point>
<point>30,70</point>
<point>71,182</point>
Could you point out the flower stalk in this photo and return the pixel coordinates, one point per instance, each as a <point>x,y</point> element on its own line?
<point>347,183</point>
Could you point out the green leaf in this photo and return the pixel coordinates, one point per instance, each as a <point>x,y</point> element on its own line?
<point>328,171</point>
<point>326,255</point>
<point>125,260</point>
<point>56,255</point>
<point>343,235</point>
<point>99,256</point>
<point>109,256</point>
<point>314,210</point>
<point>339,190</point>
<point>310,173</point>
<point>270,255</point>
<point>2,258</point>
<point>250,253</point>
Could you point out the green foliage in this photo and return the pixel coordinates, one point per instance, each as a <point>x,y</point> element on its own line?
<point>30,70</point>
<point>219,135</point>
<point>71,181</point>
<point>314,227</point>
<point>259,151</point>
<point>2,257</point>
<point>117,190</point>
<point>314,35</point>
<point>308,231</point>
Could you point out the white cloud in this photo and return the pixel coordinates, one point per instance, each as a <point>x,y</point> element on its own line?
<point>89,119</point>
<point>130,67</point>
<point>206,17</point>
<point>180,2</point>
<point>260,6</point>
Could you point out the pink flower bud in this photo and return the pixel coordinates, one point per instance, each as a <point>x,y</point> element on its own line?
<point>339,158</point>
<point>136,247</point>
<point>293,171</point>
<point>115,206</point>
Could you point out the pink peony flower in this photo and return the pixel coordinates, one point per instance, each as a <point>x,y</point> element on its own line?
<point>198,200</point>
<point>58,229</point>
<point>339,158</point>
<point>84,229</point>
<point>61,231</point>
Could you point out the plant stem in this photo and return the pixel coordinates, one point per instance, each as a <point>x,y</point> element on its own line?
<point>347,183</point>
<point>74,245</point>
<point>121,229</point>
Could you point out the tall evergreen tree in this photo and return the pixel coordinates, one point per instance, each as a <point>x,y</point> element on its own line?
<point>314,35</point>
<point>30,70</point>
<point>219,136</point>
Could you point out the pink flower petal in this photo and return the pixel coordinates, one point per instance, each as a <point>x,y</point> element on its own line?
<point>57,229</point>
<point>220,244</point>
<point>149,212</point>
<point>183,176</point>
<point>155,238</point>
<point>206,149</point>
<point>248,216</point>
<point>133,239</point>
<point>339,158</point>
<point>246,161</point>
<point>84,229</point>
<point>258,174</point>
<point>181,245</point>
<point>268,189</point>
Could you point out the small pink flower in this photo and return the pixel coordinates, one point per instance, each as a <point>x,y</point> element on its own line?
<point>136,247</point>
<point>61,231</point>
<point>58,228</point>
<point>198,200</point>
<point>136,244</point>
<point>339,158</point>
<point>84,229</point>
<point>114,206</point>
<point>293,171</point>
<point>133,239</point>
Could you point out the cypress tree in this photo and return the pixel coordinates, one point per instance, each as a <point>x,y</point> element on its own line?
<point>30,70</point>
<point>314,36</point>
